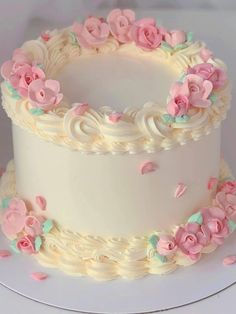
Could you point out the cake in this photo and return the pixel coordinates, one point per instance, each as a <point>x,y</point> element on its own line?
<point>117,167</point>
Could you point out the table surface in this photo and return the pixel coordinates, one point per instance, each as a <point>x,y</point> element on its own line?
<point>217,29</point>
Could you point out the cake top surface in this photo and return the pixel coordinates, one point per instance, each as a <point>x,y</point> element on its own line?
<point>116,85</point>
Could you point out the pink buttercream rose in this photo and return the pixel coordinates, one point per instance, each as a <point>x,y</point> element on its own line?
<point>120,22</point>
<point>26,244</point>
<point>209,72</point>
<point>229,187</point>
<point>13,219</point>
<point>166,245</point>
<point>45,94</point>
<point>227,202</point>
<point>191,239</point>
<point>146,34</point>
<point>178,106</point>
<point>175,37</point>
<point>33,225</point>
<point>93,33</point>
<point>214,218</point>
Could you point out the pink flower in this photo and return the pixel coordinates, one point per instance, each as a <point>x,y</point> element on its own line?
<point>45,94</point>
<point>120,22</point>
<point>206,54</point>
<point>166,245</point>
<point>26,244</point>
<point>175,37</point>
<point>13,219</point>
<point>178,106</point>
<point>22,78</point>
<point>191,239</point>
<point>146,34</point>
<point>33,226</point>
<point>10,67</point>
<point>227,202</point>
<point>197,89</point>
<point>209,72</point>
<point>215,220</point>
<point>93,33</point>
<point>229,187</point>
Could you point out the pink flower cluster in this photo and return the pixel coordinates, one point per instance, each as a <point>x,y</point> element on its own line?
<point>121,24</point>
<point>26,226</point>
<point>196,88</point>
<point>213,227</point>
<point>29,80</point>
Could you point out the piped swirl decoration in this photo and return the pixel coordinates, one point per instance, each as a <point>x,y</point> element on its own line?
<point>196,103</point>
<point>110,258</point>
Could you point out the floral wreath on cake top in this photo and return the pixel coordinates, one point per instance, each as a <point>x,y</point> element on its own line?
<point>195,104</point>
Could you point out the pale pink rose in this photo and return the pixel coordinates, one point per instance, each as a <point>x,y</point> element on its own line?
<point>166,245</point>
<point>22,78</point>
<point>9,68</point>
<point>197,90</point>
<point>191,239</point>
<point>120,22</point>
<point>175,37</point>
<point>93,33</point>
<point>209,72</point>
<point>178,106</point>
<point>214,218</point>
<point>206,54</point>
<point>33,226</point>
<point>45,94</point>
<point>229,187</point>
<point>146,34</point>
<point>227,202</point>
<point>26,244</point>
<point>13,219</point>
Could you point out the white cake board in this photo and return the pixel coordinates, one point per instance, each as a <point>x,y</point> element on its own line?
<point>149,294</point>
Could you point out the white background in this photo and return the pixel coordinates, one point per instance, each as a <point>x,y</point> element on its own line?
<point>213,21</point>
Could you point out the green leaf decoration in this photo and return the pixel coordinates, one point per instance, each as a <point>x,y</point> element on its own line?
<point>153,240</point>
<point>73,37</point>
<point>36,111</point>
<point>166,47</point>
<point>182,119</point>
<point>160,257</point>
<point>180,46</point>
<point>232,225</point>
<point>40,65</point>
<point>5,202</point>
<point>213,98</point>
<point>196,218</point>
<point>167,118</point>
<point>181,79</point>
<point>190,36</point>
<point>13,91</point>
<point>47,226</point>
<point>14,247</point>
<point>38,243</point>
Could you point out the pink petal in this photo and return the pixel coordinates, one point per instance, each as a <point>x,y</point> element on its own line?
<point>201,103</point>
<point>212,183</point>
<point>192,227</point>
<point>180,190</point>
<point>231,199</point>
<point>216,212</point>
<point>2,170</point>
<point>6,69</point>
<point>115,117</point>
<point>39,276</point>
<point>130,14</point>
<point>53,85</point>
<point>4,253</point>
<point>42,203</point>
<point>147,166</point>
<point>45,36</point>
<point>80,109</point>
<point>208,86</point>
<point>229,260</point>
<point>205,54</point>
<point>36,85</point>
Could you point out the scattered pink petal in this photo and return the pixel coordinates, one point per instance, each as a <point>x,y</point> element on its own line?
<point>205,54</point>
<point>180,190</point>
<point>212,183</point>
<point>147,166</point>
<point>4,253</point>
<point>229,260</point>
<point>42,203</point>
<point>115,117</point>
<point>2,170</point>
<point>45,36</point>
<point>38,276</point>
<point>80,109</point>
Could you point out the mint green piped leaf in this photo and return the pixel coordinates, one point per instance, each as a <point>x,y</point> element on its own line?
<point>13,91</point>
<point>153,240</point>
<point>180,46</point>
<point>181,78</point>
<point>232,225</point>
<point>190,36</point>
<point>14,247</point>
<point>167,118</point>
<point>38,243</point>
<point>36,111</point>
<point>166,47</point>
<point>40,65</point>
<point>73,37</point>
<point>196,218</point>
<point>5,202</point>
<point>183,118</point>
<point>160,257</point>
<point>47,226</point>
<point>213,97</point>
